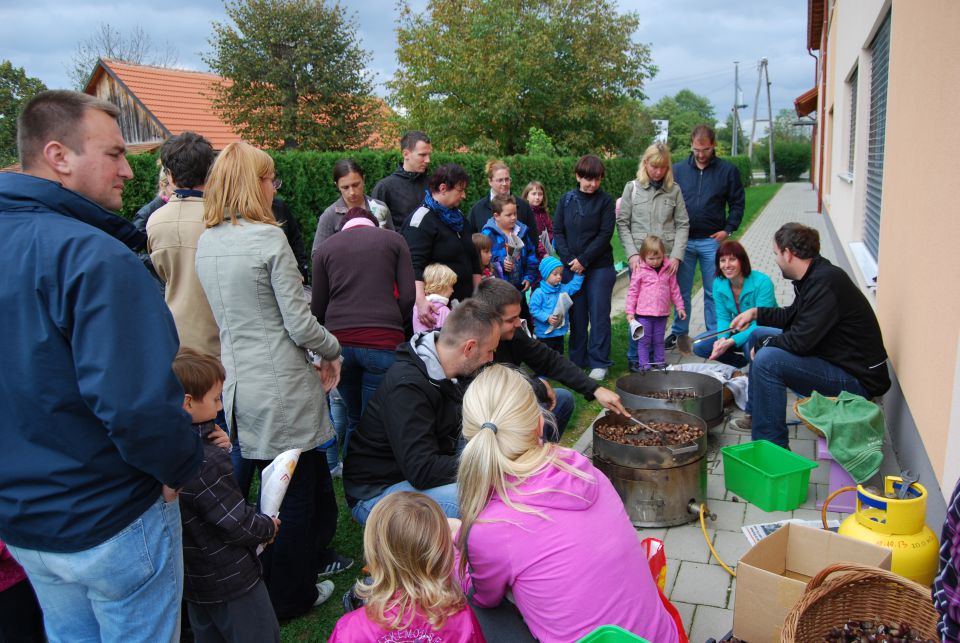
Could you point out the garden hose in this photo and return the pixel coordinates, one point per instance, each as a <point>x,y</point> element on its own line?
<point>703,528</point>
<point>826,503</point>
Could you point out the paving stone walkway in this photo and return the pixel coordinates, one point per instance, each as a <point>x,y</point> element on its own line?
<point>696,583</point>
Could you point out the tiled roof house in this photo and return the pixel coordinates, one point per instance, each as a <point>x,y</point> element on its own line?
<point>158,102</point>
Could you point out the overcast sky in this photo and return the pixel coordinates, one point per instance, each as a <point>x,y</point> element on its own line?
<point>694,42</point>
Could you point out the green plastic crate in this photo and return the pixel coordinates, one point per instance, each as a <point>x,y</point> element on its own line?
<point>767,475</point>
<point>611,634</point>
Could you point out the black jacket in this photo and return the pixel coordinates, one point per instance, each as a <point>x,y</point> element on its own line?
<point>523,349</point>
<point>433,241</point>
<point>583,226</point>
<point>220,531</point>
<point>481,212</point>
<point>402,191</point>
<point>831,319</point>
<point>410,429</point>
<point>707,193</point>
<point>291,228</point>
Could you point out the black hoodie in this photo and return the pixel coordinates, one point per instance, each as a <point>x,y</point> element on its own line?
<point>402,191</point>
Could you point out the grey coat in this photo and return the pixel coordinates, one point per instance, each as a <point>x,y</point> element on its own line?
<point>646,210</point>
<point>272,393</point>
<point>331,219</point>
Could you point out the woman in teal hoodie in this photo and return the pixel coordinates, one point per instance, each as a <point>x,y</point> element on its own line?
<point>735,289</point>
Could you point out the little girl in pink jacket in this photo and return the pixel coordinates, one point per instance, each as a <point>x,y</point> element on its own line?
<point>653,285</point>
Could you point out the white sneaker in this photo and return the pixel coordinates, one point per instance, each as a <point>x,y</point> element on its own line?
<point>325,590</point>
<point>598,374</point>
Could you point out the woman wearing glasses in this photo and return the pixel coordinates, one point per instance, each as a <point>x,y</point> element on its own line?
<point>652,204</point>
<point>272,397</point>
<point>498,177</point>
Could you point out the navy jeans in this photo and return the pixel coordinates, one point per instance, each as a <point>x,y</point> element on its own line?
<point>735,357</point>
<point>774,370</point>
<point>591,310</point>
<point>562,413</point>
<point>360,376</point>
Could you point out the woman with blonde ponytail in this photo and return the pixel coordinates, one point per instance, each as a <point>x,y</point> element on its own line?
<point>538,520</point>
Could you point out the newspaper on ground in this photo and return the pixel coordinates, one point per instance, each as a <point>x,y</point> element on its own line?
<point>546,243</point>
<point>274,481</point>
<point>756,533</point>
<point>564,302</point>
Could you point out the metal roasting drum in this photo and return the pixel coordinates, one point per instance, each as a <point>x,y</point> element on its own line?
<point>706,403</point>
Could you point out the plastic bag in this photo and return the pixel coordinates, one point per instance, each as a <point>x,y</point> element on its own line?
<point>657,559</point>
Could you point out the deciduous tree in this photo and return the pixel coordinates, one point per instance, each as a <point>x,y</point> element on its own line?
<point>16,89</point>
<point>473,69</point>
<point>685,110</point>
<point>106,42</point>
<point>297,73</point>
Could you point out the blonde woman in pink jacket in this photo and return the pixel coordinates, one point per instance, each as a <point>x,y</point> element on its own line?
<point>653,286</point>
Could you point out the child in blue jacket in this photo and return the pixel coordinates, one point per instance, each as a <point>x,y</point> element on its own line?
<point>514,253</point>
<point>543,302</point>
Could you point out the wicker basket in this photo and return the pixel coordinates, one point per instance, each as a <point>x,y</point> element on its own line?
<point>859,593</point>
<point>796,410</point>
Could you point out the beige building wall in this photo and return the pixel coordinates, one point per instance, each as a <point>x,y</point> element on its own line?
<point>918,294</point>
<point>918,301</point>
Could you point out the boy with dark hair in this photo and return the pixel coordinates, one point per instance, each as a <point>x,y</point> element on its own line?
<point>226,598</point>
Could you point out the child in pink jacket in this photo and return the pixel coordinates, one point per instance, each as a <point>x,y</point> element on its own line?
<point>653,285</point>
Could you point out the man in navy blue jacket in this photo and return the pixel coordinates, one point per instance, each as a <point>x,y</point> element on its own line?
<point>94,436</point>
<point>710,186</point>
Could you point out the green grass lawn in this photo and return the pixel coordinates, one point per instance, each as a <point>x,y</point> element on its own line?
<point>317,625</point>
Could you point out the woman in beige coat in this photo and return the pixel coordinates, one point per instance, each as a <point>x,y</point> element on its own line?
<point>652,204</point>
<point>273,397</point>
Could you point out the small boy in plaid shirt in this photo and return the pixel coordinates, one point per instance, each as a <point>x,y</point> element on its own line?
<point>226,598</point>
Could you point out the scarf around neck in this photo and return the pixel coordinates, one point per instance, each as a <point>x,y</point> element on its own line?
<point>451,216</point>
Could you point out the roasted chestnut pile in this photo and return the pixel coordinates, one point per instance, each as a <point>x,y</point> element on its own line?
<point>660,434</point>
<point>670,395</point>
<point>873,632</point>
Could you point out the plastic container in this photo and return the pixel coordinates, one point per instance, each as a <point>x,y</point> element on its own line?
<point>611,634</point>
<point>767,475</point>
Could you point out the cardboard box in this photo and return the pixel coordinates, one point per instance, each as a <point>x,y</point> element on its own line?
<point>772,575</point>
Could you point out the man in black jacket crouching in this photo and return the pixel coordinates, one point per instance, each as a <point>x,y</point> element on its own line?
<point>831,339</point>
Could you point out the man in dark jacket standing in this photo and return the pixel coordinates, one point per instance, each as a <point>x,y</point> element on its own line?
<point>408,437</point>
<point>831,339</point>
<point>714,197</point>
<point>403,190</point>
<point>93,425</point>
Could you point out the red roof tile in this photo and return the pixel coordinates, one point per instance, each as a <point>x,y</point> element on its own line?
<point>181,100</point>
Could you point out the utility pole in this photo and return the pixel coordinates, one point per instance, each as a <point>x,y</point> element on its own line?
<point>763,75</point>
<point>737,127</point>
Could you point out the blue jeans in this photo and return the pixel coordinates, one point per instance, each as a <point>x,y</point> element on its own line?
<point>705,251</point>
<point>445,495</point>
<point>360,376</point>
<point>338,417</point>
<point>562,413</point>
<point>774,370</point>
<point>127,588</point>
<point>591,309</point>
<point>735,357</point>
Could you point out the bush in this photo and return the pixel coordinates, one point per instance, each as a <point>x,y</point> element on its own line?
<point>742,162</point>
<point>791,158</point>
<point>308,186</point>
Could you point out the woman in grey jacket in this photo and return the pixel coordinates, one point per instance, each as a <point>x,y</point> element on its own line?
<point>652,204</point>
<point>273,397</point>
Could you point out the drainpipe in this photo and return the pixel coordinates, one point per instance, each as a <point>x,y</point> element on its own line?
<point>822,99</point>
<point>816,125</point>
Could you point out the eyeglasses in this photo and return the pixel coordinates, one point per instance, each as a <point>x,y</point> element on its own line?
<point>501,181</point>
<point>277,183</point>
<point>705,150</point>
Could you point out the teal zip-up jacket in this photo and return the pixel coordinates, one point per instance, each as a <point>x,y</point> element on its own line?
<point>757,293</point>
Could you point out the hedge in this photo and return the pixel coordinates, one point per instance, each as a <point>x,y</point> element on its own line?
<point>309,189</point>
<point>791,158</point>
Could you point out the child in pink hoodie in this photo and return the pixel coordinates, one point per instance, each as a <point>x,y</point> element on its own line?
<point>541,522</point>
<point>653,285</point>
<point>414,595</point>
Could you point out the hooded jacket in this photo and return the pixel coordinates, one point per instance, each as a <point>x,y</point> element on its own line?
<point>651,291</point>
<point>831,319</point>
<point>543,302</point>
<point>525,265</point>
<point>402,192</point>
<point>482,210</point>
<point>583,224</point>
<point>563,583</point>
<point>92,422</point>
<point>410,428</point>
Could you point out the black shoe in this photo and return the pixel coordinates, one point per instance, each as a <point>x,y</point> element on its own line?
<point>670,341</point>
<point>336,565</point>
<point>635,368</point>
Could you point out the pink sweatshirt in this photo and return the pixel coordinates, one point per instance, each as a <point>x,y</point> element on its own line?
<point>441,309</point>
<point>580,569</point>
<point>355,627</point>
<point>651,292</point>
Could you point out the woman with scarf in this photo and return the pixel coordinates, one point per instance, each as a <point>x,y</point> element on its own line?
<point>437,232</point>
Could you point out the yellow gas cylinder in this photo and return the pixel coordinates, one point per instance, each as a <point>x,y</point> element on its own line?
<point>899,526</point>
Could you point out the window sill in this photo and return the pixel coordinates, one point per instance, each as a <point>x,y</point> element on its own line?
<point>866,264</point>
<point>846,177</point>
